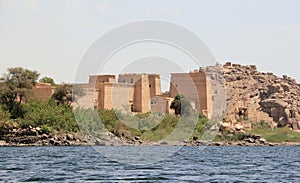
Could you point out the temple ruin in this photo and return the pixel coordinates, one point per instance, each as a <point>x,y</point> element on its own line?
<point>142,92</point>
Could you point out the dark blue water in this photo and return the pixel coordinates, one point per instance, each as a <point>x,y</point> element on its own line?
<point>191,164</point>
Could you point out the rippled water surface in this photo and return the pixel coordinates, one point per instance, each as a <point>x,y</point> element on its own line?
<point>191,164</point>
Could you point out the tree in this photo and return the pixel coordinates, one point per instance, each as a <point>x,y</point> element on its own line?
<point>67,93</point>
<point>63,94</point>
<point>181,105</point>
<point>47,80</point>
<point>16,87</point>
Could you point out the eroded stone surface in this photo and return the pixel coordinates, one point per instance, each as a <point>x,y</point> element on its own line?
<point>255,96</point>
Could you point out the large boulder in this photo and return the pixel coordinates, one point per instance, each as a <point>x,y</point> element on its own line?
<point>276,88</point>
<point>239,127</point>
<point>285,87</point>
<point>70,137</point>
<point>277,109</point>
<point>268,103</point>
<point>224,126</point>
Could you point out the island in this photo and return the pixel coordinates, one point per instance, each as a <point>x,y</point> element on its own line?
<point>221,105</point>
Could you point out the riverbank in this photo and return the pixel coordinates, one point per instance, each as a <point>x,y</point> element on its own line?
<point>35,137</point>
<point>17,140</point>
<point>189,144</point>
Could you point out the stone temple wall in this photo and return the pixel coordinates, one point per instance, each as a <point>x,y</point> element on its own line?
<point>159,104</point>
<point>195,87</point>
<point>42,91</point>
<point>141,101</point>
<point>102,79</point>
<point>154,85</point>
<point>122,96</point>
<point>140,92</point>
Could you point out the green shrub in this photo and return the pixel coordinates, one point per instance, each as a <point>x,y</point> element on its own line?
<point>162,130</point>
<point>261,125</point>
<point>4,118</point>
<point>284,134</point>
<point>201,127</point>
<point>58,117</point>
<point>142,115</point>
<point>88,120</point>
<point>46,129</point>
<point>113,123</point>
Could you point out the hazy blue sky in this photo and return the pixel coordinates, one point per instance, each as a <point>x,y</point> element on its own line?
<point>51,36</point>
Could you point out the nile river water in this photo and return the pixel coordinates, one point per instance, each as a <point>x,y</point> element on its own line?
<point>189,164</point>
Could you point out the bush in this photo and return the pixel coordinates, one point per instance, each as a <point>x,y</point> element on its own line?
<point>163,129</point>
<point>89,121</point>
<point>46,129</point>
<point>113,124</point>
<point>261,125</point>
<point>142,115</point>
<point>58,117</point>
<point>4,118</point>
<point>284,134</point>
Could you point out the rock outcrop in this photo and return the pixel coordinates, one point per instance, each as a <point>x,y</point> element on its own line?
<point>255,96</point>
<point>36,137</point>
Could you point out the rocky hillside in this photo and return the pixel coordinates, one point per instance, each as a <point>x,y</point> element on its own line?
<point>256,96</point>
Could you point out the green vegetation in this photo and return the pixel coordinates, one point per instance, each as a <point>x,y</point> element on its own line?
<point>152,127</point>
<point>65,94</point>
<point>201,127</point>
<point>263,129</point>
<point>161,131</point>
<point>56,115</point>
<point>181,105</point>
<point>147,126</point>
<point>47,80</point>
<point>110,119</point>
<point>15,87</point>
<point>226,137</point>
<point>5,121</point>
<point>89,122</point>
<point>49,116</point>
<point>279,135</point>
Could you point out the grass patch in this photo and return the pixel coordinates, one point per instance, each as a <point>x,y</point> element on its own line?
<point>278,135</point>
<point>229,137</point>
<point>153,127</point>
<point>162,130</point>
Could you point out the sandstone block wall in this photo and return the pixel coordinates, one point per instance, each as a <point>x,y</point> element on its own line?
<point>122,96</point>
<point>193,86</point>
<point>102,79</point>
<point>142,95</point>
<point>141,100</point>
<point>42,91</point>
<point>154,85</point>
<point>88,101</point>
<point>159,104</point>
<point>129,78</point>
<point>143,92</point>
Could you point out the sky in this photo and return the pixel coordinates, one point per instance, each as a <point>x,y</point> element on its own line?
<point>52,36</point>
